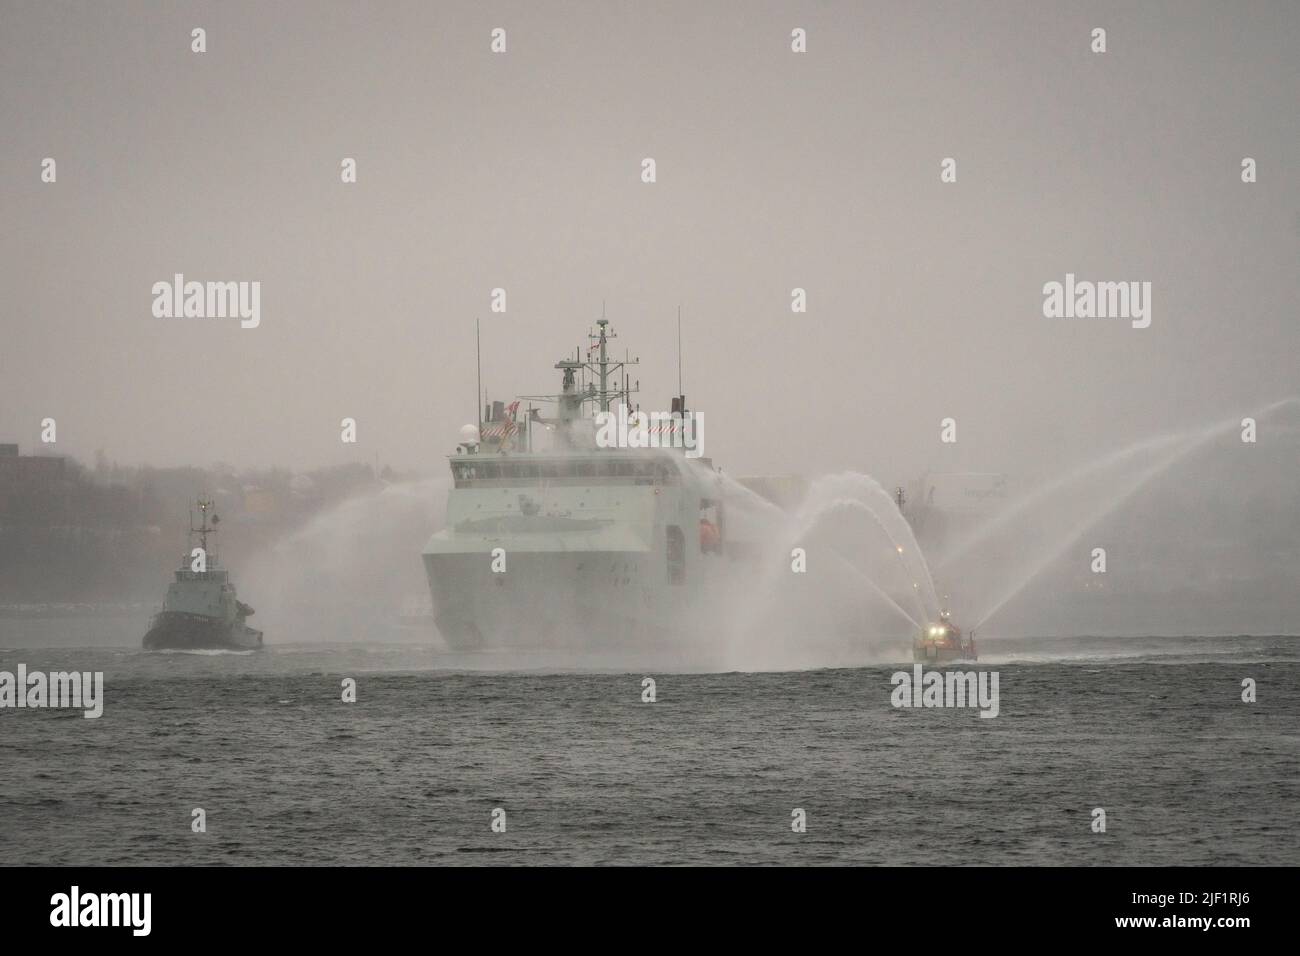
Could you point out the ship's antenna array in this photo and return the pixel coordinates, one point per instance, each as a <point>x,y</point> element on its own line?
<point>679,349</point>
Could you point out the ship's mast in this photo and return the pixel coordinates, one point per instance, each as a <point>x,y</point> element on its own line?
<point>577,388</point>
<point>604,366</point>
<point>204,529</point>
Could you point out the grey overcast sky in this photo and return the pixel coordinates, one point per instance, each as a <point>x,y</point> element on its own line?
<point>775,170</point>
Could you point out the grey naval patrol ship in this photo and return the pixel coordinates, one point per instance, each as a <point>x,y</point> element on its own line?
<point>596,525</point>
<point>200,611</point>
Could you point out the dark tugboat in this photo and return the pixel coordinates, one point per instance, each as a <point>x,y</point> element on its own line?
<point>201,611</point>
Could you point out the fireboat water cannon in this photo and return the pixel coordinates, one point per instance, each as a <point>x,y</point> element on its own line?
<point>943,641</point>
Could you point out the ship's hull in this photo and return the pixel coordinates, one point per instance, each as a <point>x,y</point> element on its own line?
<point>576,600</point>
<point>926,652</point>
<point>173,630</point>
<point>588,552</point>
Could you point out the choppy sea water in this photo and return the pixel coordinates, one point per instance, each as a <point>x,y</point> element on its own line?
<point>1153,730</point>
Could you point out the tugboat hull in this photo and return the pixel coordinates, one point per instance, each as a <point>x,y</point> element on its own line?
<point>172,630</point>
<point>929,653</point>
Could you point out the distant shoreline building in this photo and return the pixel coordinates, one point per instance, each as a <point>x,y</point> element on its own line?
<point>21,472</point>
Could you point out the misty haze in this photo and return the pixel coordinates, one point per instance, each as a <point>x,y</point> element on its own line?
<point>514,396</point>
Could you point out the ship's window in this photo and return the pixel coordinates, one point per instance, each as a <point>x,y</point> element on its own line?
<point>490,469</point>
<point>584,469</point>
<point>676,552</point>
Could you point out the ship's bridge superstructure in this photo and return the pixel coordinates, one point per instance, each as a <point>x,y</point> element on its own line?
<point>207,591</point>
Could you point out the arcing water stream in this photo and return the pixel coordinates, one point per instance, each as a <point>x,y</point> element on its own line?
<point>1066,508</point>
<point>344,575</point>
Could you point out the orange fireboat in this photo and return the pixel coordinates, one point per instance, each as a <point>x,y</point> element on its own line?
<point>943,641</point>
